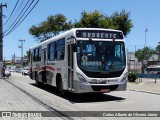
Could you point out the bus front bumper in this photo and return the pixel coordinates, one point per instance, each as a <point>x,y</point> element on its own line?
<point>101,88</point>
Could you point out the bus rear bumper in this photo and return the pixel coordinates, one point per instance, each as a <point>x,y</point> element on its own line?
<point>101,88</point>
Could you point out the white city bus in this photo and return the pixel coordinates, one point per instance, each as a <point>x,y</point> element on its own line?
<point>81,60</point>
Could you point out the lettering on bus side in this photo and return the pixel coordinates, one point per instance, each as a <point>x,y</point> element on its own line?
<point>50,63</point>
<point>58,69</point>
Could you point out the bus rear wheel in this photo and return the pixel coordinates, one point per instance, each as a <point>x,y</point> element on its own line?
<point>61,91</point>
<point>37,82</point>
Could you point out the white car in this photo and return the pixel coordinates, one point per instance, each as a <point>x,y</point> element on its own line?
<point>25,71</point>
<point>7,73</point>
<point>18,70</point>
<point>12,70</point>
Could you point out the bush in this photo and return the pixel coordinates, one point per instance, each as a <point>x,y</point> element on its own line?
<point>132,76</point>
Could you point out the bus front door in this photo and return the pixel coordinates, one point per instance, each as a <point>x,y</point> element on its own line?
<point>70,66</point>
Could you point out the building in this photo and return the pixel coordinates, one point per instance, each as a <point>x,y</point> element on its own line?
<point>133,63</point>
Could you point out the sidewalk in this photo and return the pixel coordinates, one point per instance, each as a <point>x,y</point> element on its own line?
<point>147,85</point>
<point>12,99</point>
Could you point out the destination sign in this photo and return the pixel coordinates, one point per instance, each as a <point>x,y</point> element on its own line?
<point>100,34</point>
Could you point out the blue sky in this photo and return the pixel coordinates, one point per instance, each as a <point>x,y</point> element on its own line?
<point>143,13</point>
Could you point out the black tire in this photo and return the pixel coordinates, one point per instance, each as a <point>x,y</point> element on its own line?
<point>61,91</point>
<point>37,82</point>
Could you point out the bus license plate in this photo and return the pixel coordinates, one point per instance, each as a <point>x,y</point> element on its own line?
<point>105,90</point>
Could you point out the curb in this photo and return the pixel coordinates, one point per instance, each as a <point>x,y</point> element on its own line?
<point>150,92</point>
<point>4,78</point>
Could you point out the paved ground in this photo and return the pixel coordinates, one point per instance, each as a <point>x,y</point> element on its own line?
<point>12,99</point>
<point>147,85</point>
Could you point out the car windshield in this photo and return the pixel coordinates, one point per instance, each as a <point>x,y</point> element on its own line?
<point>101,56</point>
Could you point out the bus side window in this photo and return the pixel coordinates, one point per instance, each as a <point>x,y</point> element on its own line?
<point>60,49</point>
<point>39,54</point>
<point>51,51</point>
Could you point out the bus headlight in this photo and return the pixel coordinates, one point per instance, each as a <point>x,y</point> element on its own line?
<point>124,79</point>
<point>81,78</point>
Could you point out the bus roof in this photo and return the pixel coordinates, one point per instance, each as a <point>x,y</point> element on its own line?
<point>70,32</point>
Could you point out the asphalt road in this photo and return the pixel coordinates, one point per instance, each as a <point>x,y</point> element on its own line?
<point>113,101</point>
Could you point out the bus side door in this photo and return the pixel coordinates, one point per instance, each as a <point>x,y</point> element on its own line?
<point>70,66</point>
<point>44,78</point>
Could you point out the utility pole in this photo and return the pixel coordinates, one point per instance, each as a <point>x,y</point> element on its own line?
<point>21,46</point>
<point>146,30</point>
<point>1,38</point>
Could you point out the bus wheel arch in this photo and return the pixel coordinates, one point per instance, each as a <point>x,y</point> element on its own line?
<point>59,84</point>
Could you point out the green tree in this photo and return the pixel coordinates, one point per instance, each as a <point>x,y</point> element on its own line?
<point>51,27</point>
<point>92,20</point>
<point>158,51</point>
<point>57,23</point>
<point>122,22</point>
<point>26,55</point>
<point>119,21</point>
<point>143,55</point>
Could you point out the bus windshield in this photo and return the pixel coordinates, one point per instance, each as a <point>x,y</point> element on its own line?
<point>101,56</point>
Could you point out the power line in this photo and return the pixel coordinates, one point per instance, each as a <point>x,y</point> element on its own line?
<point>12,12</point>
<point>16,12</point>
<point>18,19</point>
<point>20,6</point>
<point>20,13</point>
<point>21,18</point>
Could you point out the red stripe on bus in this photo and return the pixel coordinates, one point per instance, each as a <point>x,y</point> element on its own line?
<point>45,67</point>
<point>50,68</point>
